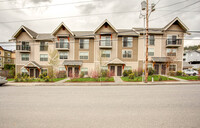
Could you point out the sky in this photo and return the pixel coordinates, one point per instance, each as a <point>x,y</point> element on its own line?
<point>89,14</point>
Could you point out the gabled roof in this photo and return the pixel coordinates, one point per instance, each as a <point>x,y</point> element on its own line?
<point>73,62</point>
<point>127,32</point>
<point>116,61</point>
<point>30,32</point>
<point>32,64</point>
<point>161,59</point>
<point>179,22</point>
<point>105,21</point>
<point>59,26</point>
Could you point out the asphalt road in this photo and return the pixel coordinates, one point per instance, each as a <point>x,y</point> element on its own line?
<point>100,107</point>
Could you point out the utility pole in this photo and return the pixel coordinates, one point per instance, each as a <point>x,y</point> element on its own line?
<point>147,34</point>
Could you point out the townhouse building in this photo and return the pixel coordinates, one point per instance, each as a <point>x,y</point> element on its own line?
<point>105,48</point>
<point>6,57</point>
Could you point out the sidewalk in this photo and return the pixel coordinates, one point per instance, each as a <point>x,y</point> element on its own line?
<point>182,80</point>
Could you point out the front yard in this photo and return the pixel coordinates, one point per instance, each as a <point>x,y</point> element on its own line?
<point>37,80</point>
<point>139,78</point>
<point>192,78</point>
<point>101,79</point>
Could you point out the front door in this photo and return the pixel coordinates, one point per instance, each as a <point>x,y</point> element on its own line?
<point>36,73</point>
<point>31,72</point>
<point>119,70</point>
<point>76,71</point>
<point>69,71</point>
<point>156,67</point>
<point>163,72</point>
<point>112,70</point>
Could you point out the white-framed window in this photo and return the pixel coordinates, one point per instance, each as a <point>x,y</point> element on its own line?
<point>172,67</point>
<point>127,68</point>
<point>104,68</point>
<point>43,46</point>
<point>151,39</point>
<point>127,41</point>
<point>84,55</point>
<point>62,69</point>
<point>105,53</point>
<point>105,40</point>
<point>43,57</point>
<point>24,71</point>
<point>84,71</point>
<point>171,52</point>
<point>172,39</point>
<point>64,43</point>
<point>25,57</point>
<point>0,58</point>
<point>44,70</point>
<point>63,55</point>
<point>8,54</point>
<point>127,53</point>
<point>150,66</point>
<point>9,60</point>
<point>151,51</point>
<point>84,43</point>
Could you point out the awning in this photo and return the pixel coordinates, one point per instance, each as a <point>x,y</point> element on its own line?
<point>73,62</point>
<point>116,61</point>
<point>161,59</point>
<point>32,64</point>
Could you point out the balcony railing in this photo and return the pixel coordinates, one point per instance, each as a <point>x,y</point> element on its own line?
<point>23,47</point>
<point>174,43</point>
<point>105,43</point>
<point>62,46</point>
<point>43,48</point>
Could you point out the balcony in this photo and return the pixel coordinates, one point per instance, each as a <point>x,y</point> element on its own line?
<point>173,43</point>
<point>62,46</point>
<point>105,44</point>
<point>43,48</point>
<point>23,48</point>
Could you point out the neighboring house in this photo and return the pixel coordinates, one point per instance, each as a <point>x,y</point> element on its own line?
<point>193,58</point>
<point>6,57</point>
<point>105,48</point>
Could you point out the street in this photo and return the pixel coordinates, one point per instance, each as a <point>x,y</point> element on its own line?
<point>159,106</point>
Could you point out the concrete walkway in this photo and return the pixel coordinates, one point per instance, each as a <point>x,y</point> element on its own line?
<point>182,80</point>
<point>118,79</point>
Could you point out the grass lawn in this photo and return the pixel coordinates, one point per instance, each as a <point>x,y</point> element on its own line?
<point>42,80</point>
<point>188,77</point>
<point>139,78</point>
<point>10,79</point>
<point>103,79</point>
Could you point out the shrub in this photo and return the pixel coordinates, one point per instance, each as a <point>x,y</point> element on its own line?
<point>179,73</point>
<point>172,73</point>
<point>131,76</point>
<point>82,75</point>
<point>16,79</point>
<point>43,75</point>
<point>46,79</point>
<point>151,71</point>
<point>127,73</point>
<point>159,78</point>
<point>105,73</point>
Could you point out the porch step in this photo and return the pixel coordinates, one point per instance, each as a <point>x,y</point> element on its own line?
<point>118,79</point>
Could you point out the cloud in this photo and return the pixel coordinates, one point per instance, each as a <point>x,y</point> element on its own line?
<point>87,8</point>
<point>40,1</point>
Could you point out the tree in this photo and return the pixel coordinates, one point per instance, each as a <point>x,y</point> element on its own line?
<point>53,61</point>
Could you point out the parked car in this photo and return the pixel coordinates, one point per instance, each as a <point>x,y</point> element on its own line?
<point>191,72</point>
<point>3,80</point>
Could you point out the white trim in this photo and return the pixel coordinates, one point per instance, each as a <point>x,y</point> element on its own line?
<point>123,42</point>
<point>31,63</point>
<point>176,19</point>
<point>103,24</point>
<point>62,23</point>
<point>83,43</point>
<point>105,57</point>
<point>22,27</point>
<point>85,52</point>
<point>173,64</point>
<point>127,50</point>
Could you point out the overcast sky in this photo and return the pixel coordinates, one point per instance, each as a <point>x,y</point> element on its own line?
<point>81,15</point>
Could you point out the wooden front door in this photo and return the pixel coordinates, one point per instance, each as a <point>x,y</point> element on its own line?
<point>76,71</point>
<point>163,72</point>
<point>119,70</point>
<point>31,72</point>
<point>69,71</point>
<point>112,70</point>
<point>36,73</point>
<point>156,68</point>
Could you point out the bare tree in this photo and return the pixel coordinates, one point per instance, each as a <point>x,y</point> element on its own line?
<point>53,60</point>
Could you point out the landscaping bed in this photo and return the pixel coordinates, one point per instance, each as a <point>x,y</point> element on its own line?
<point>191,78</point>
<point>38,80</point>
<point>101,79</point>
<point>155,77</point>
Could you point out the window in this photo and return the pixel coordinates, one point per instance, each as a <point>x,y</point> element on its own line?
<point>172,68</point>
<point>43,46</point>
<point>127,53</point>
<point>43,57</point>
<point>63,55</point>
<point>0,64</point>
<point>171,52</point>
<point>127,41</point>
<point>62,69</point>
<point>8,60</point>
<point>105,41</point>
<point>105,53</point>
<point>64,43</point>
<point>127,68</point>
<point>25,46</point>
<point>150,66</point>
<point>0,58</point>
<point>8,54</point>
<point>104,68</point>
<point>44,70</point>
<point>0,52</point>
<point>84,43</point>
<point>84,71</point>
<point>25,57</point>
<point>151,51</point>
<point>83,55</point>
<point>24,71</point>
<point>151,39</point>
<point>171,39</point>
<point>184,59</point>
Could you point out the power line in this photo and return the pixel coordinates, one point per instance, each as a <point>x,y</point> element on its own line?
<point>172,4</point>
<point>175,10</point>
<point>66,17</point>
<point>47,5</point>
